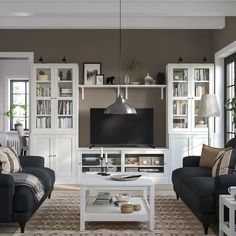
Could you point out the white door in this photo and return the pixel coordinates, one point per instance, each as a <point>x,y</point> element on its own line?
<point>63,156</point>
<point>179,148</point>
<point>41,145</point>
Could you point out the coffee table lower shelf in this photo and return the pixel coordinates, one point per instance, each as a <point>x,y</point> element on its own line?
<point>113,213</point>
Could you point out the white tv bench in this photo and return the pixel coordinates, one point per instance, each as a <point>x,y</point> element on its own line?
<point>152,162</point>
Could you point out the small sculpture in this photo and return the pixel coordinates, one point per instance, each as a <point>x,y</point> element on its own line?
<point>64,59</point>
<point>68,75</point>
<point>109,80</point>
<point>41,59</point>
<point>148,79</point>
<point>60,75</point>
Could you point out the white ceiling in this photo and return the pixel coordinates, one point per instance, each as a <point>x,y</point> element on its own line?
<point>104,14</point>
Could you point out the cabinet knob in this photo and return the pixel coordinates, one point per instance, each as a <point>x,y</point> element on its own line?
<point>50,156</point>
<point>54,155</point>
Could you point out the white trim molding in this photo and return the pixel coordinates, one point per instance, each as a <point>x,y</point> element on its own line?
<point>104,14</point>
<point>219,89</point>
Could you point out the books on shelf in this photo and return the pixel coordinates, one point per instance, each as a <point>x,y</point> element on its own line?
<point>180,108</point>
<point>65,122</point>
<point>102,198</point>
<point>65,92</point>
<point>180,89</point>
<point>43,90</point>
<point>200,90</point>
<point>201,74</point>
<point>43,107</point>
<point>43,122</point>
<point>65,108</point>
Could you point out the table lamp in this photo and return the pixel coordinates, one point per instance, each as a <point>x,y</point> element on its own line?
<point>208,107</point>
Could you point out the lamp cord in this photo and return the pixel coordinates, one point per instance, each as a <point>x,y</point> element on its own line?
<point>120,50</point>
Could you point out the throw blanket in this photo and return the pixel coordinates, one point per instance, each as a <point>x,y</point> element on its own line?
<point>30,181</point>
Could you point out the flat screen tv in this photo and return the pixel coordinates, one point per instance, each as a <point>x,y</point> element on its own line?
<point>121,130</point>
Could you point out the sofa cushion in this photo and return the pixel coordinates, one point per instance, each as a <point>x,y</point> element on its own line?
<point>198,192</point>
<point>10,162</point>
<point>225,163</point>
<point>23,199</point>
<point>46,175</point>
<point>209,155</point>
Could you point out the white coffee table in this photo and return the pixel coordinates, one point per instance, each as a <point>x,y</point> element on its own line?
<point>91,212</point>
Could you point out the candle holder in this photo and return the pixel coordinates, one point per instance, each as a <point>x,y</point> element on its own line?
<point>103,169</point>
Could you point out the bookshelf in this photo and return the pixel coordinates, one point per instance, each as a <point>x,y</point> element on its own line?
<point>186,84</point>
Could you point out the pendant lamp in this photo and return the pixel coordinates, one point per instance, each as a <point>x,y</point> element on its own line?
<point>120,106</point>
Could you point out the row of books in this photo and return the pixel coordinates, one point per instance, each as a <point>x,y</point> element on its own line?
<point>43,107</point>
<point>65,92</point>
<point>201,74</point>
<point>65,122</point>
<point>43,122</point>
<point>181,89</point>
<point>179,123</point>
<point>65,108</point>
<point>43,91</point>
<point>200,90</point>
<point>179,108</point>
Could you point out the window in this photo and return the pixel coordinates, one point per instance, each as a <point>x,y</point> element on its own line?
<point>19,103</point>
<point>230,86</point>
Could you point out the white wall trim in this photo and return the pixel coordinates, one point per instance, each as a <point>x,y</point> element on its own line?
<point>219,89</point>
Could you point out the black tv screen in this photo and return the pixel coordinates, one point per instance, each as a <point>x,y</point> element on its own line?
<point>130,129</point>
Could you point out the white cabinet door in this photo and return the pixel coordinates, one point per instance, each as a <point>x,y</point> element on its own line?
<point>197,142</point>
<point>63,156</point>
<point>41,145</point>
<point>179,149</point>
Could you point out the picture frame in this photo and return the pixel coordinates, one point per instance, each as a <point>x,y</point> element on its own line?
<point>100,79</point>
<point>91,70</point>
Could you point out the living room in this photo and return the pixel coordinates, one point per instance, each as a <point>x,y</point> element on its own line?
<point>145,52</point>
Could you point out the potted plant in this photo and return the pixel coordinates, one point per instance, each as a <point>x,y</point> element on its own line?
<point>133,66</point>
<point>11,113</point>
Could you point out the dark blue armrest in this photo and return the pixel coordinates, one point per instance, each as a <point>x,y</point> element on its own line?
<point>191,161</point>
<point>7,191</point>
<point>222,182</point>
<point>31,161</point>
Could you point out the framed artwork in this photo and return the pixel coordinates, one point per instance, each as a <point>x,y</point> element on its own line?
<point>91,70</point>
<point>99,79</point>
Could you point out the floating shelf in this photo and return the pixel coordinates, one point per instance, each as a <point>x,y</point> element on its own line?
<point>125,86</point>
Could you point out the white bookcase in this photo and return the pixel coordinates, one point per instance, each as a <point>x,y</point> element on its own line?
<point>54,97</point>
<point>147,161</point>
<point>54,117</point>
<point>187,131</point>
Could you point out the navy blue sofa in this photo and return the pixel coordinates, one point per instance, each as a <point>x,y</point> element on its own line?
<point>17,204</point>
<point>199,191</point>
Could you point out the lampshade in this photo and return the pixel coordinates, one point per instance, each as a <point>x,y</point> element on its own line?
<point>120,107</point>
<point>208,106</point>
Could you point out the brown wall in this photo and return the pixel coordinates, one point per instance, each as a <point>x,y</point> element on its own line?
<point>153,48</point>
<point>221,38</point>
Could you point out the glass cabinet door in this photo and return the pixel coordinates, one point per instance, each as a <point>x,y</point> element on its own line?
<point>180,98</point>
<point>43,98</point>
<point>65,97</point>
<point>201,87</point>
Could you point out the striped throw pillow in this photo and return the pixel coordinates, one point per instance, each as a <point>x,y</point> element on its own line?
<point>224,163</point>
<point>10,162</point>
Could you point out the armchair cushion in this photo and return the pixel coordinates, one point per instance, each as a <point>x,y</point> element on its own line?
<point>10,162</point>
<point>225,163</point>
<point>209,155</point>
